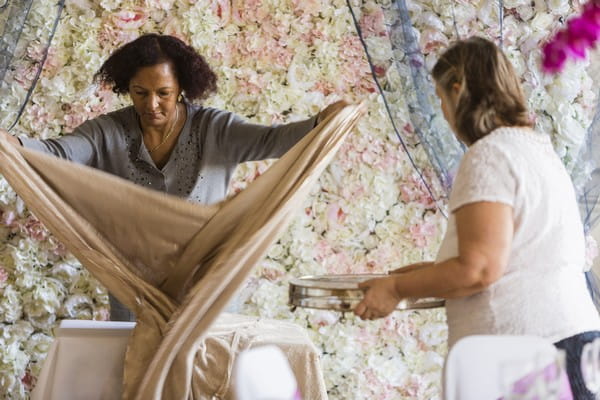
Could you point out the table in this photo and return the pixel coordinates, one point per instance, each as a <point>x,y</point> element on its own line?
<point>85,361</point>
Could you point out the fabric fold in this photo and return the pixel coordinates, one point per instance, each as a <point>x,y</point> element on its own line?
<point>174,263</point>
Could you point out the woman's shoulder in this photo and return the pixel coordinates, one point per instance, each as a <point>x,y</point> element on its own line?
<point>510,142</point>
<point>512,137</point>
<point>200,111</point>
<point>122,116</point>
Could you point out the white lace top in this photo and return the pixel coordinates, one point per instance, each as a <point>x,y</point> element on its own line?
<point>543,291</point>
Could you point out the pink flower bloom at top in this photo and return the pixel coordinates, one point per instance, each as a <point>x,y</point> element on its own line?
<point>585,29</point>
<point>581,35</point>
<point>591,12</point>
<point>555,56</point>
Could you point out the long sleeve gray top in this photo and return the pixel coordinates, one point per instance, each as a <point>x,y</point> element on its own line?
<point>210,146</point>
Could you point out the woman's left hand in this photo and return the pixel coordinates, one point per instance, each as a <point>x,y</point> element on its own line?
<point>380,298</point>
<point>331,109</point>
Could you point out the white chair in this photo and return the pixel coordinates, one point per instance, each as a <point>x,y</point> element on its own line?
<point>85,361</point>
<point>590,366</point>
<point>263,373</point>
<point>485,367</point>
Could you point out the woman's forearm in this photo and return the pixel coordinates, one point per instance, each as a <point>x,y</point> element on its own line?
<point>448,279</point>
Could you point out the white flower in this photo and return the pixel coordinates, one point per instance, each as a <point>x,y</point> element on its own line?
<point>11,307</point>
<point>559,7</point>
<point>542,22</point>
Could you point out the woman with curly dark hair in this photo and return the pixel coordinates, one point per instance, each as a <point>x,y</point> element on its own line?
<point>163,141</point>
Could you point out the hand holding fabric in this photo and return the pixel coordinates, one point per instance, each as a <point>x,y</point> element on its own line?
<point>333,108</point>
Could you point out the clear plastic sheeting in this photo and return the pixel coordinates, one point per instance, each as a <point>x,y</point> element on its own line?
<point>408,94</point>
<point>586,177</point>
<point>586,174</point>
<point>27,31</point>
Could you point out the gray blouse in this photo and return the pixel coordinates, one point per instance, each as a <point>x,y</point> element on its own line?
<point>210,146</point>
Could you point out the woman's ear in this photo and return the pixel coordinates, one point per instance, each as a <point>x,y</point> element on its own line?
<point>455,91</point>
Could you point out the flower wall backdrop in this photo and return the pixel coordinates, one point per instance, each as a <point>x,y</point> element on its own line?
<point>278,61</point>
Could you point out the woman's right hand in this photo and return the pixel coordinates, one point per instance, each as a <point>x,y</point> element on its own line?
<point>7,136</point>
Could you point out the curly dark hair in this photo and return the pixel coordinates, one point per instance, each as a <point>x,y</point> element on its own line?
<point>192,72</point>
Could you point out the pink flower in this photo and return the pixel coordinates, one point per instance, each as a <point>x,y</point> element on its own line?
<point>3,276</point>
<point>28,380</point>
<point>246,11</point>
<point>113,37</point>
<point>39,117</point>
<point>335,215</point>
<point>36,52</point>
<point>129,19</point>
<point>324,87</point>
<point>355,72</point>
<point>591,12</point>
<point>306,7</point>
<point>413,190</point>
<point>422,232</point>
<point>25,73</point>
<point>222,9</point>
<point>272,274</point>
<point>584,29</point>
<point>34,229</point>
<point>373,24</point>
<point>58,248</point>
<point>323,318</point>
<point>554,56</point>
<point>581,34</point>
<point>8,218</point>
<point>172,26</point>
<point>432,40</point>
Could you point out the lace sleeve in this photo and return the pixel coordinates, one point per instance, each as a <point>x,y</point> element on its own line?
<point>485,174</point>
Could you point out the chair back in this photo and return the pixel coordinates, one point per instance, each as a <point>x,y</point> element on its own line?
<point>487,367</point>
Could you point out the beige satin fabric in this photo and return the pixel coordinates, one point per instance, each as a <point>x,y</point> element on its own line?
<point>174,263</point>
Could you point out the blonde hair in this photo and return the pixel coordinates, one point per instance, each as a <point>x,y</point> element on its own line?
<point>490,93</point>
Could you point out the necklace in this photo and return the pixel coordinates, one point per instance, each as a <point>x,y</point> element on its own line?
<point>169,133</point>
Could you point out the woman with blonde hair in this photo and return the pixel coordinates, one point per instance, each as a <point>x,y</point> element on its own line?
<point>511,261</point>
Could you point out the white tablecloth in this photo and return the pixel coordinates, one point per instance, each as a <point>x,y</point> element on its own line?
<point>85,361</point>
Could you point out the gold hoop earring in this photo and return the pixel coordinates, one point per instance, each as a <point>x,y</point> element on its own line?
<point>180,98</point>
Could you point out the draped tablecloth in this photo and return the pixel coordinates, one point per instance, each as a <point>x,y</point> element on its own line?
<point>174,263</point>
<point>85,361</point>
